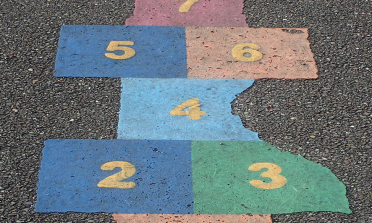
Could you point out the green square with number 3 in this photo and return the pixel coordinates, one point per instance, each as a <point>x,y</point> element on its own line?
<point>227,180</point>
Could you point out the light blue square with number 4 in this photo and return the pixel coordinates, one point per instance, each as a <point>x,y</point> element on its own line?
<point>181,109</point>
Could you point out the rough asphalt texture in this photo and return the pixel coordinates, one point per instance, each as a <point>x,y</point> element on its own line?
<point>327,120</point>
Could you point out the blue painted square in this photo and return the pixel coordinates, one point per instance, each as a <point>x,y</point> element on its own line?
<point>159,52</point>
<point>71,170</point>
<point>146,105</point>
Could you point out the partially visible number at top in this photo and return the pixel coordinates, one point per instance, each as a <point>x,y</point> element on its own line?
<point>185,7</point>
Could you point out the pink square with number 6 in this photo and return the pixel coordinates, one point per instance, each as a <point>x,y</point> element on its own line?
<point>249,53</point>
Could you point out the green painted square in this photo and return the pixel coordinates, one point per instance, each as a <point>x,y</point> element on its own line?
<point>221,181</point>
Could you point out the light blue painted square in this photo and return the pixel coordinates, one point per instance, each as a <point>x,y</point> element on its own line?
<point>159,52</point>
<point>71,169</point>
<point>146,105</point>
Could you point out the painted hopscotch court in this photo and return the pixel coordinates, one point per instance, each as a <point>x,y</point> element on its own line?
<point>180,154</point>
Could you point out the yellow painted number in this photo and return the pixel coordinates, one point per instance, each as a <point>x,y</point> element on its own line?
<point>185,7</point>
<point>114,181</point>
<point>117,45</point>
<point>194,109</point>
<point>239,50</point>
<point>277,181</point>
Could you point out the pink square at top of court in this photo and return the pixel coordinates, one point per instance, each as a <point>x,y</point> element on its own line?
<point>206,13</point>
<point>249,53</point>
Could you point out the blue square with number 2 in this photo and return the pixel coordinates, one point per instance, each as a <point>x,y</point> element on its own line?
<point>116,176</point>
<point>121,51</point>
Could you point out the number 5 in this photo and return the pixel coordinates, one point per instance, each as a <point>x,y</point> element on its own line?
<point>115,45</point>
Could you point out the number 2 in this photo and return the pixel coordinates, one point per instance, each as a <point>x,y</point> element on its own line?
<point>114,181</point>
<point>115,45</point>
<point>277,180</point>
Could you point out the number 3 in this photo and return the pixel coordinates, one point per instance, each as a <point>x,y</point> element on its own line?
<point>114,181</point>
<point>115,45</point>
<point>277,181</point>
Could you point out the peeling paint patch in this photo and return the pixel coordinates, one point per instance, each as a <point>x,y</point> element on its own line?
<point>190,218</point>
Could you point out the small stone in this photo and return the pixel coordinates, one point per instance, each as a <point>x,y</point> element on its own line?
<point>30,69</point>
<point>15,110</point>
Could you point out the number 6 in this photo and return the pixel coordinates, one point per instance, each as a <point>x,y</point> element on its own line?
<point>238,52</point>
<point>115,45</point>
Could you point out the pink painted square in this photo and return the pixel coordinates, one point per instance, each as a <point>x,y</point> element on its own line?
<point>191,218</point>
<point>285,53</point>
<point>214,13</point>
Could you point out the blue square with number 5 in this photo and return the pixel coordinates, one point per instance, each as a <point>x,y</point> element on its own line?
<point>116,176</point>
<point>121,51</point>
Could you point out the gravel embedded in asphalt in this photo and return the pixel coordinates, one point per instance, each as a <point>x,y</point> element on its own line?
<point>326,120</point>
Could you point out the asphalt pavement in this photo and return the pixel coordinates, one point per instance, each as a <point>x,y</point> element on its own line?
<point>326,120</point>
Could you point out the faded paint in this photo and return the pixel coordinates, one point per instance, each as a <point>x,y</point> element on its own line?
<point>285,55</point>
<point>190,218</point>
<point>216,13</point>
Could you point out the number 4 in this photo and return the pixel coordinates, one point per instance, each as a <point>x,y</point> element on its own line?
<point>193,112</point>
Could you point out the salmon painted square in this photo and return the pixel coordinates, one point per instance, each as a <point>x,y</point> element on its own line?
<point>249,53</point>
